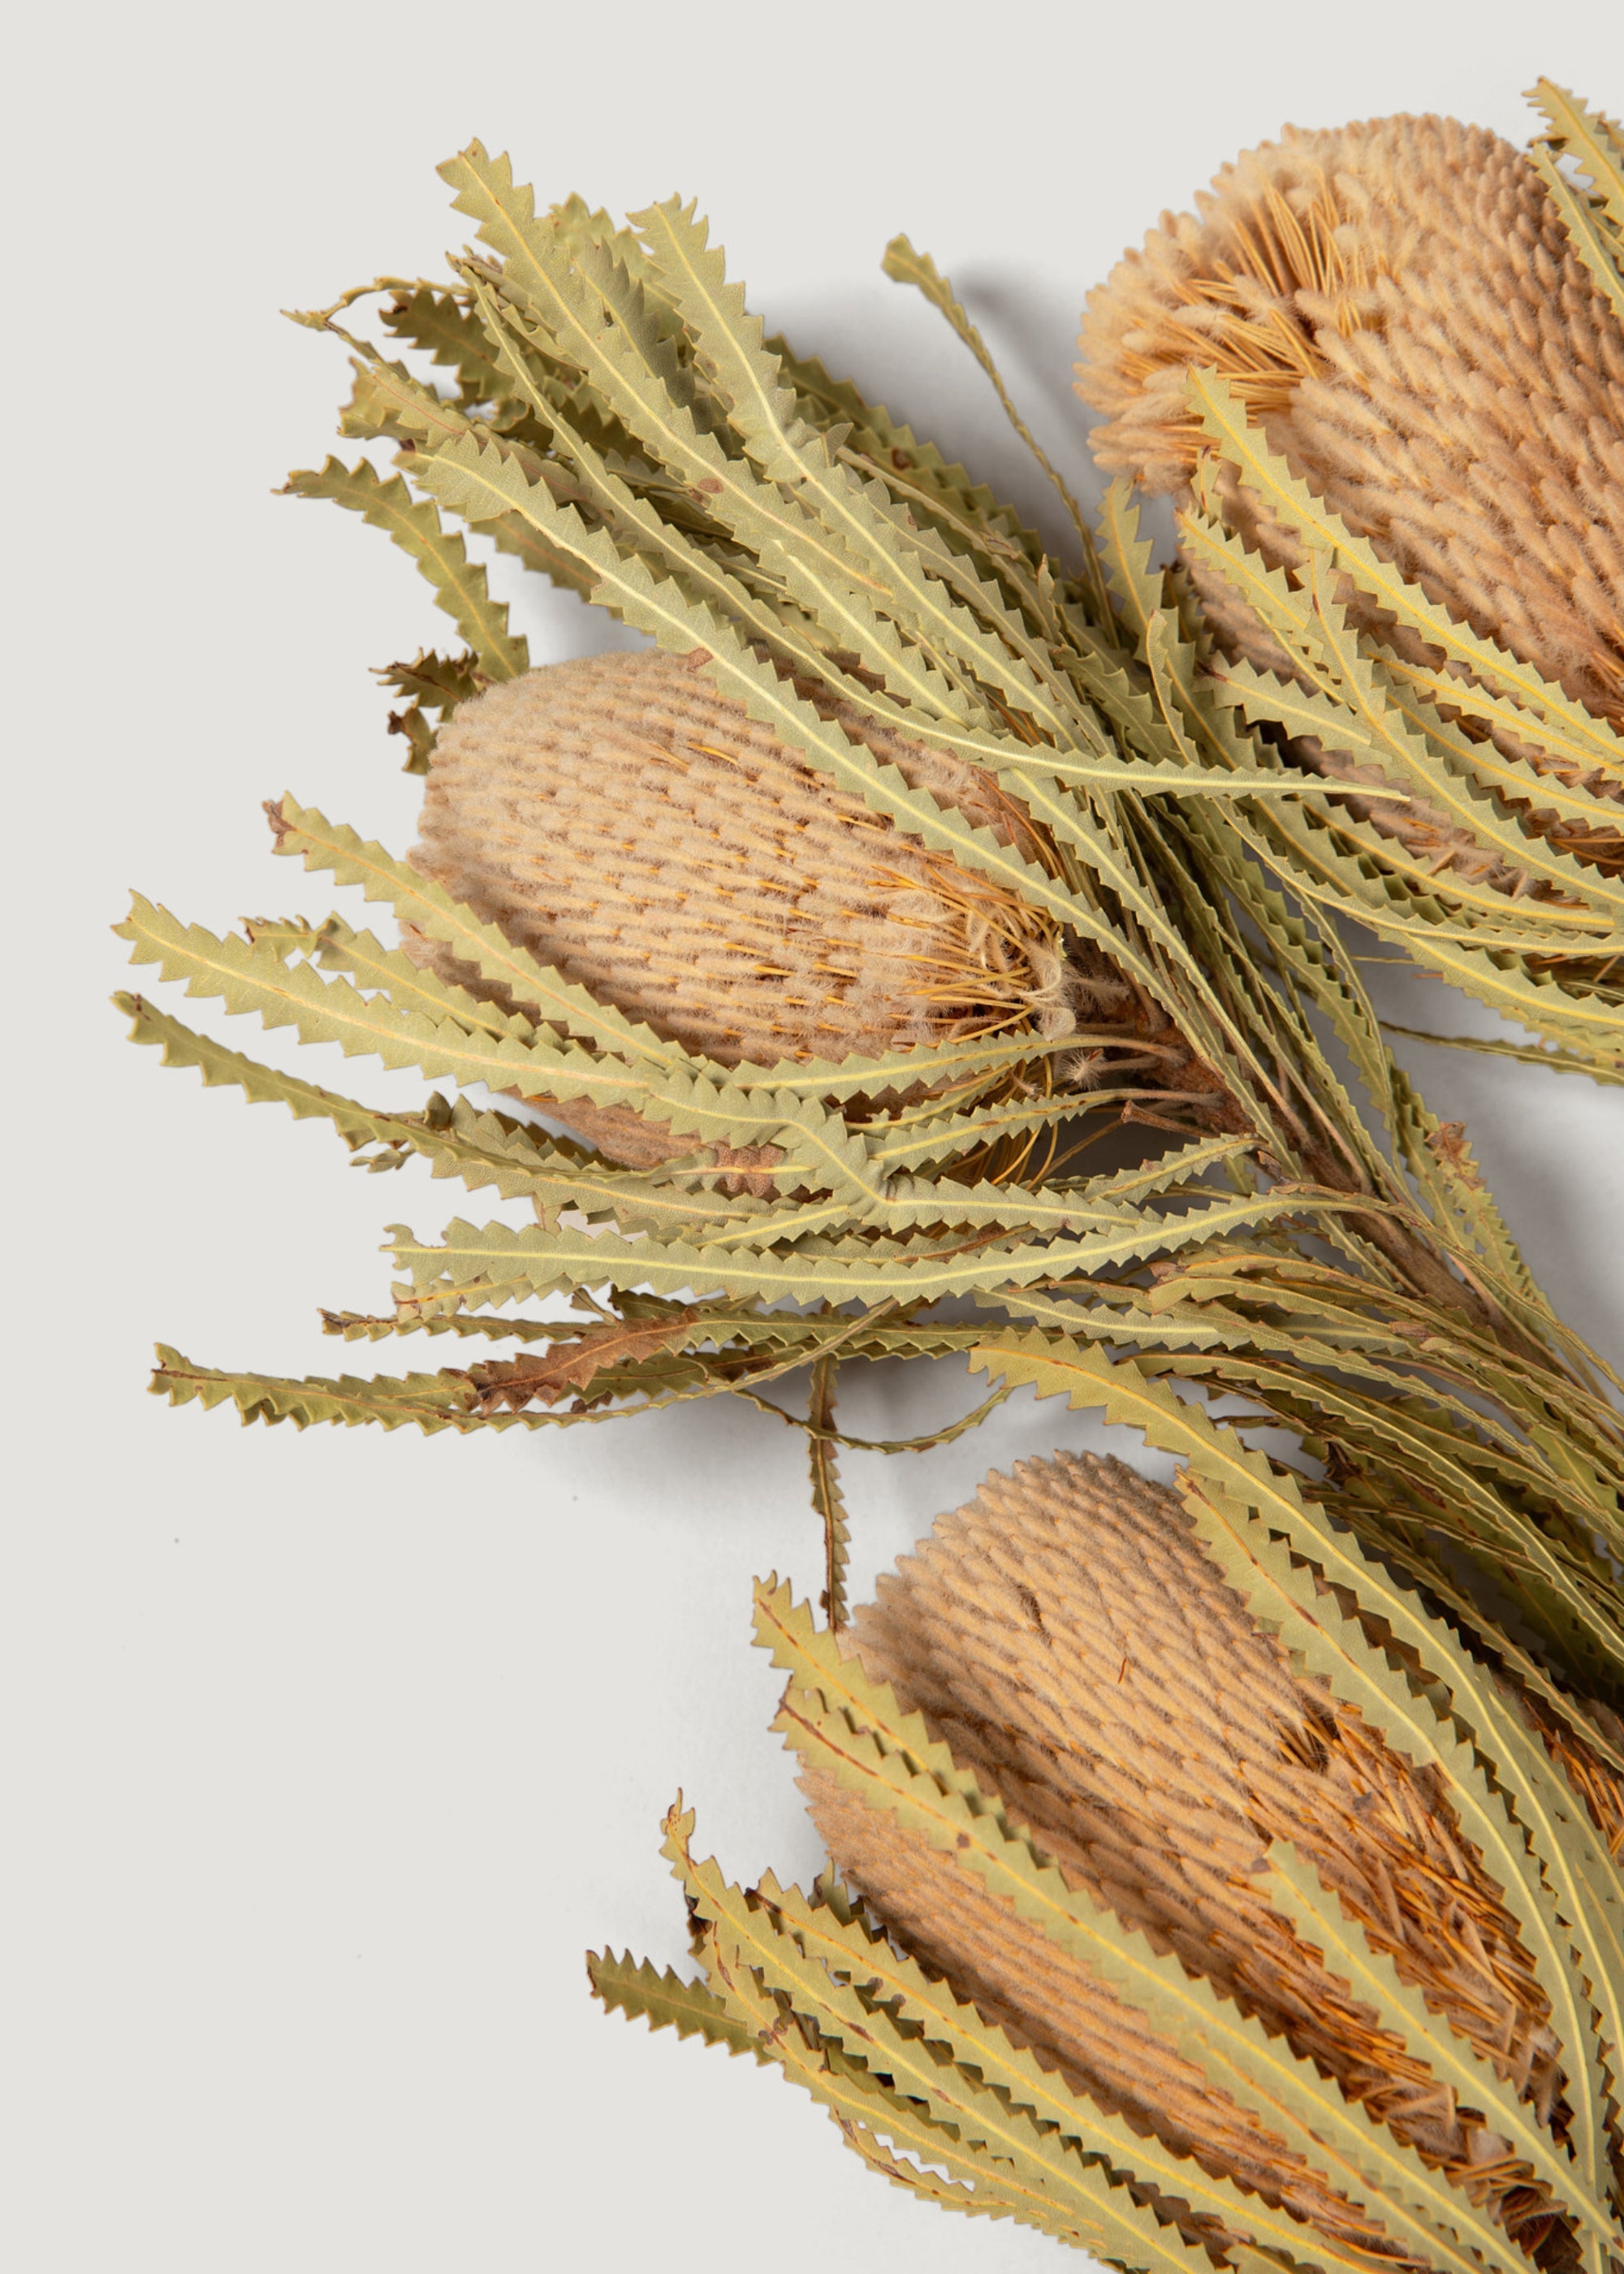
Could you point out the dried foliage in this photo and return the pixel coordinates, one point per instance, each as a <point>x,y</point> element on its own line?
<point>1382,375</point>
<point>1200,1895</point>
<point>873,630</point>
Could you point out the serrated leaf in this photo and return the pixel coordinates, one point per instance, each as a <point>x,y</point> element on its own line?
<point>905,266</point>
<point>437,320</point>
<point>476,1148</point>
<point>790,453</point>
<point>492,1263</point>
<point>432,1402</point>
<point>1589,139</point>
<point>860,2103</point>
<point>1597,245</point>
<point>458,583</point>
<point>1061,2183</point>
<point>664,2001</point>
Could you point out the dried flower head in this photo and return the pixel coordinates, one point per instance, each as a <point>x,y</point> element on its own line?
<point>1399,305</point>
<point>1197,1894</point>
<point>1068,1639</point>
<point>625,820</point>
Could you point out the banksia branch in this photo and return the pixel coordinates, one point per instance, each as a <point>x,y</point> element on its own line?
<point>1154,1896</point>
<point>913,862</point>
<point>1225,1878</point>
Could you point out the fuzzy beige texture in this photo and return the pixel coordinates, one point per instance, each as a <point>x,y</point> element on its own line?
<point>1066,1636</point>
<point>1399,305</point>
<point>623,819</point>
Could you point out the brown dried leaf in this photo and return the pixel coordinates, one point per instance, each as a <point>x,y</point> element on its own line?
<point>573,1363</point>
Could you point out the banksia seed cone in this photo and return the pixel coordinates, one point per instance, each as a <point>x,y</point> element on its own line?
<point>1399,306</point>
<point>620,818</point>
<point>1065,1635</point>
<point>624,820</point>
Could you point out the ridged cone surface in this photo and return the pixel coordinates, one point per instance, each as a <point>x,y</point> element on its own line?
<point>623,819</point>
<point>1066,1636</point>
<point>1398,303</point>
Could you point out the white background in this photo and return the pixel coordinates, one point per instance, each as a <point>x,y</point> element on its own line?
<point>326,1758</point>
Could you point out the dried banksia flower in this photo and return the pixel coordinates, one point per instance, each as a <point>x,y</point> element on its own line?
<point>1400,308</point>
<point>1066,1637</point>
<point>1267,1941</point>
<point>620,818</point>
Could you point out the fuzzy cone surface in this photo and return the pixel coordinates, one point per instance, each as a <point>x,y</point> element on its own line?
<point>620,817</point>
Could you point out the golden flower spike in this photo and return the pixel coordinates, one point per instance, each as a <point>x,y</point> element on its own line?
<point>1382,376</point>
<point>1184,1903</point>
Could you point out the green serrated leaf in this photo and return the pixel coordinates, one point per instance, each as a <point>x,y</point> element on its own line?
<point>1060,2181</point>
<point>1588,138</point>
<point>1596,243</point>
<point>458,585</point>
<point>664,2001</point>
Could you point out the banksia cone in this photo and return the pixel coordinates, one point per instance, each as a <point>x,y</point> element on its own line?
<point>1399,306</point>
<point>623,818</point>
<point>1069,1641</point>
<point>1196,1893</point>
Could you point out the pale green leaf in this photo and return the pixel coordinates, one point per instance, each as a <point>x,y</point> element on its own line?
<point>458,583</point>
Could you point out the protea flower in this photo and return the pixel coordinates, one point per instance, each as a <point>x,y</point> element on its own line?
<point>1400,307</point>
